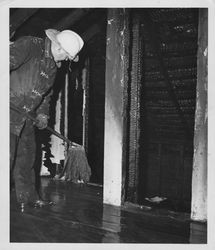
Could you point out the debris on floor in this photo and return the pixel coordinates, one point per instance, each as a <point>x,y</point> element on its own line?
<point>156,199</point>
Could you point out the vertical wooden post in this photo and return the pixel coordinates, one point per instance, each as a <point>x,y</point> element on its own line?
<point>199,176</point>
<point>85,108</point>
<point>116,82</point>
<point>66,105</point>
<point>57,149</point>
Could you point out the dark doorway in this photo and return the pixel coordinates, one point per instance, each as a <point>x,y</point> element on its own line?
<point>87,100</point>
<point>162,106</point>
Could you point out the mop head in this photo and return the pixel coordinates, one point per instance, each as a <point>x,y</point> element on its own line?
<point>76,167</point>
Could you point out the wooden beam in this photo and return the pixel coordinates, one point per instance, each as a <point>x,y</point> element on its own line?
<point>175,78</point>
<point>72,18</point>
<point>115,104</point>
<point>152,31</point>
<point>19,17</point>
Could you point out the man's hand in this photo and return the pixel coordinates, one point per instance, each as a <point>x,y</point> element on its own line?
<point>42,121</point>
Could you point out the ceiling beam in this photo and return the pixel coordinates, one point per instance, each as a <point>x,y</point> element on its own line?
<point>19,17</point>
<point>72,18</point>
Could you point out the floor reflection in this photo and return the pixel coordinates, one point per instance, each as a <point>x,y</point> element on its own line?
<point>79,216</point>
<point>111,222</point>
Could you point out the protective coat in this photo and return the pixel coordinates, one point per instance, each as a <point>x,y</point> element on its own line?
<point>33,70</point>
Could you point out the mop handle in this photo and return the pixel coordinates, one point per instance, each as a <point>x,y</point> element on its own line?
<point>12,106</point>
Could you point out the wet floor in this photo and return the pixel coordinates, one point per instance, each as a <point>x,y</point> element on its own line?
<point>79,216</point>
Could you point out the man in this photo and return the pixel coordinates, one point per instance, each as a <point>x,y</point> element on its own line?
<point>33,66</point>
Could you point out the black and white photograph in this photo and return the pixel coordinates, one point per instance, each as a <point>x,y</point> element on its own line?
<point>106,111</point>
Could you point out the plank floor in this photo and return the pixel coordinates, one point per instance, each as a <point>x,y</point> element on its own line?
<point>79,216</point>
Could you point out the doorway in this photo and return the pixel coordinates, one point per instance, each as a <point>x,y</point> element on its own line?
<point>162,107</point>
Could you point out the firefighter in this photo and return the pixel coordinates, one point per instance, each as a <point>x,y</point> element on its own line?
<point>33,66</point>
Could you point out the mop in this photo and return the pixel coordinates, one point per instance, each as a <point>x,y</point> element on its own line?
<point>76,167</point>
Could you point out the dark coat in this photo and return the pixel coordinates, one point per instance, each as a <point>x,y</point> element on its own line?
<point>32,73</point>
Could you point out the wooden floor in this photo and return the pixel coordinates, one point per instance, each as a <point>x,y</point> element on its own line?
<point>79,216</point>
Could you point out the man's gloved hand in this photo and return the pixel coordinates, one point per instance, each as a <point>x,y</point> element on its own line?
<point>42,121</point>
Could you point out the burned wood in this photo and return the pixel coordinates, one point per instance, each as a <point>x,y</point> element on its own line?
<point>135,112</point>
<point>168,103</point>
<point>152,30</point>
<point>186,88</point>
<point>116,78</point>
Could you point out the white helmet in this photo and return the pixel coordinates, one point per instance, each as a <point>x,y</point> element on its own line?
<point>70,41</point>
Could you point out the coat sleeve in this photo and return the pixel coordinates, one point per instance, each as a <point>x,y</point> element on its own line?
<point>44,107</point>
<point>20,52</point>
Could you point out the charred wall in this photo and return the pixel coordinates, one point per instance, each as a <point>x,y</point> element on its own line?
<point>165,98</point>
